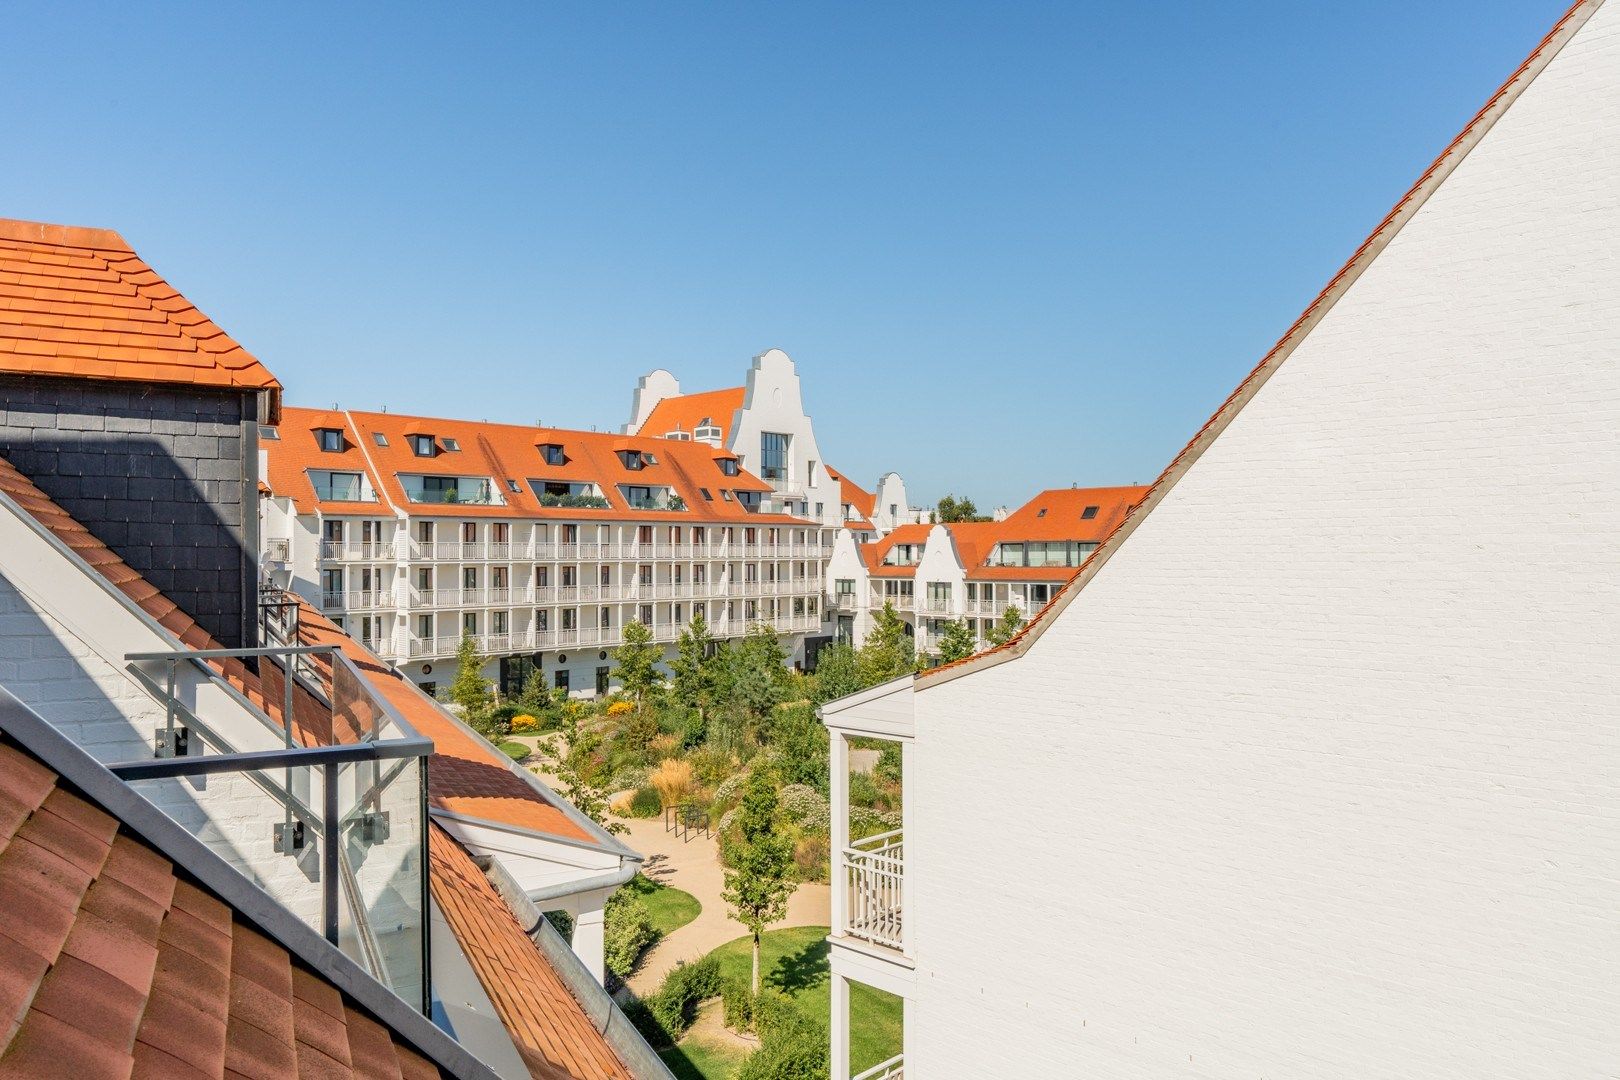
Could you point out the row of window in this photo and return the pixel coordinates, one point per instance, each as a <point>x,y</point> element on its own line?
<point>572,618</point>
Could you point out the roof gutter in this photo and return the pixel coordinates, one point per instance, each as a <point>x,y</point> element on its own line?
<point>597,1003</point>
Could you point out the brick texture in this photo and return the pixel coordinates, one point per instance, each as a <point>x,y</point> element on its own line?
<point>158,474</point>
<point>1317,777</point>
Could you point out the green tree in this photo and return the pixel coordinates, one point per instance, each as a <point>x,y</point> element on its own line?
<point>957,642</point>
<point>693,680</point>
<point>888,651</point>
<point>951,509</point>
<point>759,672</point>
<point>470,690</point>
<point>1011,621</point>
<point>637,660</point>
<point>573,758</point>
<point>836,676</point>
<point>759,880</point>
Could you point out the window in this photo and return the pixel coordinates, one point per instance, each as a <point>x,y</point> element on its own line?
<point>810,473</point>
<point>541,573</point>
<point>552,453</point>
<point>605,576</point>
<point>469,623</point>
<point>570,618</point>
<point>497,622</point>
<point>331,439</point>
<point>705,493</point>
<point>332,530</point>
<point>337,486</point>
<point>1041,512</point>
<point>332,582</point>
<point>773,456</point>
<point>512,486</point>
<point>1088,513</point>
<point>469,532</point>
<point>604,618</point>
<point>421,445</point>
<point>644,574</point>
<point>844,586</point>
<point>424,627</point>
<point>939,591</point>
<point>269,433</point>
<point>646,615</point>
<point>728,465</point>
<point>424,531</point>
<point>452,446</point>
<point>559,679</point>
<point>894,511</point>
<point>644,534</point>
<point>542,619</point>
<point>570,576</point>
<point>469,577</point>
<point>601,680</point>
<point>726,495</point>
<point>379,438</point>
<point>631,459</point>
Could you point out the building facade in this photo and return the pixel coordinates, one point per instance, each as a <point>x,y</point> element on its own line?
<point>974,571</point>
<point>541,544</point>
<point>1316,762</point>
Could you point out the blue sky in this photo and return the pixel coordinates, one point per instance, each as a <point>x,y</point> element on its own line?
<point>1010,246</point>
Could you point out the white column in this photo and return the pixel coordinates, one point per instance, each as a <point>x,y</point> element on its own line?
<point>590,931</point>
<point>907,1026</point>
<point>838,766</point>
<point>840,1027</point>
<point>907,816</point>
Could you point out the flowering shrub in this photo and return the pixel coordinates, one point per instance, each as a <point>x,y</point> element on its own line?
<point>523,723</point>
<point>619,708</point>
<point>805,805</point>
<point>730,788</point>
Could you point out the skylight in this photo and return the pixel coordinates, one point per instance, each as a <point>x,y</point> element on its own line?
<point>452,446</point>
<point>379,438</point>
<point>1087,514</point>
<point>268,432</point>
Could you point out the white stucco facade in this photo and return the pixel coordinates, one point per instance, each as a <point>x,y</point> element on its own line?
<point>1316,776</point>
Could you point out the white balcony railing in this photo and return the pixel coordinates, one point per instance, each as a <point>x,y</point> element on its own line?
<point>893,1069</point>
<point>874,873</point>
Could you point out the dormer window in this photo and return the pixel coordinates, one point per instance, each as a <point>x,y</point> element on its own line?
<point>728,465</point>
<point>1088,513</point>
<point>451,446</point>
<point>552,453</point>
<point>421,445</point>
<point>330,439</point>
<point>631,459</point>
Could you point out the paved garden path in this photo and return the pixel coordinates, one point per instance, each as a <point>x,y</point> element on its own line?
<point>694,866</point>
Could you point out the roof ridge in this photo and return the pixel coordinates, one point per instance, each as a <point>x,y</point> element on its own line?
<point>74,236</point>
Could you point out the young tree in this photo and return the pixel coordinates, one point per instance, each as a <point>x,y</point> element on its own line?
<point>836,676</point>
<point>888,651</point>
<point>759,672</point>
<point>637,662</point>
<point>470,690</point>
<point>573,760</point>
<point>957,642</point>
<point>693,682</point>
<point>1011,621</point>
<point>758,883</point>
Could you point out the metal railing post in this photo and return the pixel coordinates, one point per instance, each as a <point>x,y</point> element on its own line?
<point>168,709</point>
<point>329,852</point>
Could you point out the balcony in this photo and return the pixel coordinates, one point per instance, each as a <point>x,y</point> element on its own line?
<point>899,601</point>
<point>874,875</point>
<point>893,1069</point>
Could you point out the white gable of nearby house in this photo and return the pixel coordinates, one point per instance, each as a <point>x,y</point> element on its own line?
<point>1316,776</point>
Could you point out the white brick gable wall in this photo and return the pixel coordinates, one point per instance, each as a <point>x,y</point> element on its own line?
<point>1318,776</point>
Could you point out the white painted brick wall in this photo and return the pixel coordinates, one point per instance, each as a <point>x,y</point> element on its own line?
<point>1318,777</point>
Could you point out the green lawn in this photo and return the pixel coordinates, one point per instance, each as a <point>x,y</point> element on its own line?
<point>794,961</point>
<point>669,907</point>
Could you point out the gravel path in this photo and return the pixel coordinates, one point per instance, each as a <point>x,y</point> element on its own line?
<point>694,866</point>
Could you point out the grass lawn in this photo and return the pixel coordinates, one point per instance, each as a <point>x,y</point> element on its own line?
<point>515,750</point>
<point>794,961</point>
<point>669,907</point>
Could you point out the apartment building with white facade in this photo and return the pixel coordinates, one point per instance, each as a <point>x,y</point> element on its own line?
<point>1311,771</point>
<point>765,424</point>
<point>972,570</point>
<point>540,543</point>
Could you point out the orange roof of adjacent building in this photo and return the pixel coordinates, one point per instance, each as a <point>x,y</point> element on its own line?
<point>79,302</point>
<point>1057,514</point>
<point>124,965</point>
<point>688,412</point>
<point>507,454</point>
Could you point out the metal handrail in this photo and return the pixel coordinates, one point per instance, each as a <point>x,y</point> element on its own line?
<point>893,1069</point>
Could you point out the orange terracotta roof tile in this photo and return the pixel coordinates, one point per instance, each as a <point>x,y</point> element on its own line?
<point>549,1028</point>
<point>79,302</point>
<point>124,966</point>
<point>688,412</point>
<point>503,452</point>
<point>864,502</point>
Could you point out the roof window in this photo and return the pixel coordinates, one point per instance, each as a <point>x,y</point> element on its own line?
<point>379,438</point>
<point>452,446</point>
<point>1088,513</point>
<point>726,495</point>
<point>705,493</point>
<point>512,485</point>
<point>270,433</point>
<point>1041,513</point>
<point>330,439</point>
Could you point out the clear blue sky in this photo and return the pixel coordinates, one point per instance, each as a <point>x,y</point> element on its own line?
<point>1010,246</point>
